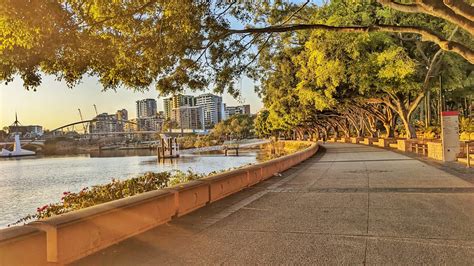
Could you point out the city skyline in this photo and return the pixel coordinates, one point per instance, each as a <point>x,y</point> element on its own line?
<point>54,104</point>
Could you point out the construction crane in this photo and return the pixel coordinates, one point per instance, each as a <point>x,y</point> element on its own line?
<point>82,119</point>
<point>95,108</point>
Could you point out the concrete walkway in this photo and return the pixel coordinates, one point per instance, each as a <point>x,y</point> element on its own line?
<point>350,204</point>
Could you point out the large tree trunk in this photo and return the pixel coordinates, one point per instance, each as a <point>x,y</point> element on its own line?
<point>409,129</point>
<point>389,130</point>
<point>370,125</point>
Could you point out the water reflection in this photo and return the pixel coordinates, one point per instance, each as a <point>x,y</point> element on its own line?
<point>28,183</point>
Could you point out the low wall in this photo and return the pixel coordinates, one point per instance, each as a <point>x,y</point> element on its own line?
<point>404,145</point>
<point>356,140</point>
<point>369,141</point>
<point>435,150</point>
<point>65,238</point>
<point>385,143</point>
<point>22,245</point>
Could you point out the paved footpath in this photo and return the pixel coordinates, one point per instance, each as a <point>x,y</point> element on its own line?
<point>350,204</point>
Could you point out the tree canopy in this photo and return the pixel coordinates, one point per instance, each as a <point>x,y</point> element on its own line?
<point>350,67</point>
<point>179,44</point>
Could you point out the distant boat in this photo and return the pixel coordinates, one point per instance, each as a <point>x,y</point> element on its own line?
<point>17,150</point>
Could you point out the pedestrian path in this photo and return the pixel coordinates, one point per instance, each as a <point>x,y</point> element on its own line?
<point>350,204</point>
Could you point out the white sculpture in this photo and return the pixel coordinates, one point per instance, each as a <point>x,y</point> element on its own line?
<point>17,150</point>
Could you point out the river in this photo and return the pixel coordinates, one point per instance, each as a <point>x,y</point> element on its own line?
<point>28,183</point>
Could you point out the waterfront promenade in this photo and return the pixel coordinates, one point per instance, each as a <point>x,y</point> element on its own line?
<point>349,204</point>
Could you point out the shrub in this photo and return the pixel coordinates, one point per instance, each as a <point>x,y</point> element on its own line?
<point>117,189</point>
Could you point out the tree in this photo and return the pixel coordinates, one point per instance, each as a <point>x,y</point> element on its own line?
<point>237,126</point>
<point>393,70</point>
<point>177,44</point>
<point>262,126</point>
<point>354,81</point>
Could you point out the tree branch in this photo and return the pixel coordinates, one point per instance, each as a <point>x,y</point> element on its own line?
<point>407,8</point>
<point>436,8</point>
<point>461,8</point>
<point>426,34</point>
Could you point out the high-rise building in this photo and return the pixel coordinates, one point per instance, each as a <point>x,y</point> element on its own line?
<point>177,101</point>
<point>104,123</point>
<point>212,108</point>
<point>146,108</point>
<point>237,110</point>
<point>151,123</point>
<point>188,117</point>
<point>122,117</point>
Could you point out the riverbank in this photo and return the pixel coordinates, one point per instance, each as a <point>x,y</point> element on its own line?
<point>97,227</point>
<point>35,182</point>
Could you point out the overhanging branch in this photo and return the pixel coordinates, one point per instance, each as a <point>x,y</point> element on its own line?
<point>426,34</point>
<point>461,8</point>
<point>458,14</point>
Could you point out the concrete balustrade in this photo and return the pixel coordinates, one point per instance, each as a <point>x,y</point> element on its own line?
<point>270,168</point>
<point>65,238</point>
<point>22,245</point>
<point>404,144</point>
<point>225,184</point>
<point>435,150</point>
<point>356,140</point>
<point>385,143</point>
<point>190,196</point>
<point>369,141</point>
<point>254,174</point>
<point>83,232</point>
<point>341,140</point>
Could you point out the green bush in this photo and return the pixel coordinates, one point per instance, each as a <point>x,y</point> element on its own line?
<point>117,189</point>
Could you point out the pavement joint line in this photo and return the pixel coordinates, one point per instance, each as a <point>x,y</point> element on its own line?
<point>458,190</point>
<point>363,161</point>
<point>368,211</point>
<point>466,242</point>
<point>241,204</point>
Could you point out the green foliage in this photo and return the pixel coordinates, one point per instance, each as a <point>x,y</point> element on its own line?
<point>262,125</point>
<point>276,149</point>
<point>326,70</point>
<point>117,189</point>
<point>195,141</point>
<point>236,127</point>
<point>179,44</point>
<point>431,132</point>
<point>466,124</point>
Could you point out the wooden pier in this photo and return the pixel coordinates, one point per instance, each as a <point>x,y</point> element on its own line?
<point>168,148</point>
<point>231,147</point>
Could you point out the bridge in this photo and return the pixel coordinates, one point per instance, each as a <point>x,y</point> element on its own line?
<point>87,124</point>
<point>349,204</point>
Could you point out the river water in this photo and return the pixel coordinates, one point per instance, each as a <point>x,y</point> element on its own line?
<point>28,183</point>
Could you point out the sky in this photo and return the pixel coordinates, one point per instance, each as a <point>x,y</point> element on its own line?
<point>54,104</point>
